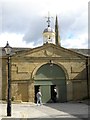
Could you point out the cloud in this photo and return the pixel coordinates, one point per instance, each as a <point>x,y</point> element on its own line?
<point>34,32</point>
<point>80,42</point>
<point>27,18</point>
<point>16,41</point>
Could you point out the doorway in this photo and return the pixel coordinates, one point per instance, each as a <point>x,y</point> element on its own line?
<point>36,88</point>
<point>53,93</point>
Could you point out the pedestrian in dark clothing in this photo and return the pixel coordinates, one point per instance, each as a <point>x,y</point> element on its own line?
<point>55,95</point>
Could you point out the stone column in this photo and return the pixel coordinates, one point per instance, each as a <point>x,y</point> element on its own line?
<point>31,91</point>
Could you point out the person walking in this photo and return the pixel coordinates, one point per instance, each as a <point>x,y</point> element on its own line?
<point>39,95</point>
<point>55,95</point>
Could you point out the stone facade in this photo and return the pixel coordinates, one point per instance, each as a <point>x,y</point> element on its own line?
<point>24,66</point>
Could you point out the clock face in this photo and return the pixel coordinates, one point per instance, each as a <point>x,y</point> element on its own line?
<point>50,40</point>
<point>49,51</point>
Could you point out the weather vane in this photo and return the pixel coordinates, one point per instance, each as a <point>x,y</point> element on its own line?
<point>48,21</point>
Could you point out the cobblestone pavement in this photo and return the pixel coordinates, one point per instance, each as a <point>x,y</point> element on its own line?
<point>52,111</point>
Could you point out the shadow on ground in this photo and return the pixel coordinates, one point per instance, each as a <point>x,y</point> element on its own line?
<point>75,110</point>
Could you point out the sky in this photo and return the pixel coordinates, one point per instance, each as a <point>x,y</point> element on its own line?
<point>22,22</point>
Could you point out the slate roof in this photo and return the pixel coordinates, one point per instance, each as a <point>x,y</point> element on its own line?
<point>85,52</point>
<point>14,50</point>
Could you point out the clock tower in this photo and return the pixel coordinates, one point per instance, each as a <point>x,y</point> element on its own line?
<point>48,33</point>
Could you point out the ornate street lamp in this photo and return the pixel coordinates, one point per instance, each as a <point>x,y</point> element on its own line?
<point>8,51</point>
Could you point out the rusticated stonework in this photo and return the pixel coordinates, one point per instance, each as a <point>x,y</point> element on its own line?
<point>24,66</point>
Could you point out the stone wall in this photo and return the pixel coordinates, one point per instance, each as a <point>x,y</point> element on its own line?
<point>76,70</point>
<point>23,69</point>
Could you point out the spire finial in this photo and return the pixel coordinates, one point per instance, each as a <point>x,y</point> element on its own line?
<point>48,21</point>
<point>57,36</point>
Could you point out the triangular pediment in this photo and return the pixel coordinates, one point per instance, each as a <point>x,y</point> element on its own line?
<point>50,50</point>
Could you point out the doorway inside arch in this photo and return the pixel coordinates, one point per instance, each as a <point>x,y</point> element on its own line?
<point>36,88</point>
<point>54,96</point>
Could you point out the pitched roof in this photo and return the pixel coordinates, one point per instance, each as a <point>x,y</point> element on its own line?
<point>84,52</point>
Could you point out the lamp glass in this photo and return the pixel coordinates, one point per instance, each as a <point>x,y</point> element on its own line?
<point>7,49</point>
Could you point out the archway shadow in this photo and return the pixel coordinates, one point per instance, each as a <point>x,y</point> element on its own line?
<point>72,109</point>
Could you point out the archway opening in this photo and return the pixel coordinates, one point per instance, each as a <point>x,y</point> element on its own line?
<point>48,77</point>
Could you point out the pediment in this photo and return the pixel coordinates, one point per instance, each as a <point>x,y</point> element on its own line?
<point>50,50</point>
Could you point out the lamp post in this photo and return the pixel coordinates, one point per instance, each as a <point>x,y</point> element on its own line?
<point>8,51</point>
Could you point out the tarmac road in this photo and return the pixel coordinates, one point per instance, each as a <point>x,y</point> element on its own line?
<point>49,111</point>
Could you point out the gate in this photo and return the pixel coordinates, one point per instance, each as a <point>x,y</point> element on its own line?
<point>48,75</point>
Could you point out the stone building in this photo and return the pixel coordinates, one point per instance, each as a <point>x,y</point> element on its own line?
<point>46,67</point>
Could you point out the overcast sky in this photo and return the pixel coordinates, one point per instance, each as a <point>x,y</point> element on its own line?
<point>22,22</point>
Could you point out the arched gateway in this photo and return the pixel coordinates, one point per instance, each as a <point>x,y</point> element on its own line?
<point>46,78</point>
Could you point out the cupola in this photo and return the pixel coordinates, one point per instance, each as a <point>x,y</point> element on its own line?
<point>48,33</point>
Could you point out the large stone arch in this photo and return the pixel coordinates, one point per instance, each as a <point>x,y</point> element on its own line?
<point>60,65</point>
<point>46,76</point>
